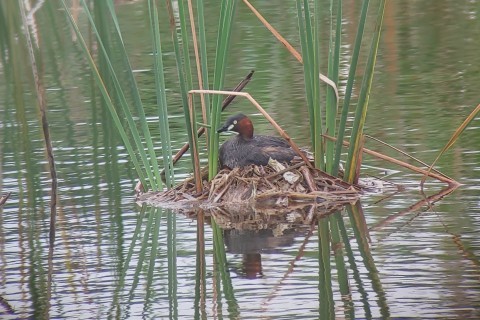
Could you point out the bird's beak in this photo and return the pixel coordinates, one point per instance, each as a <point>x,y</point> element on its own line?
<point>225,128</point>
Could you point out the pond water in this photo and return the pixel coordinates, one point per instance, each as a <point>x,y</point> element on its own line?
<point>392,255</point>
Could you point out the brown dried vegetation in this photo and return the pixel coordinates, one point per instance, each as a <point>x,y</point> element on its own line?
<point>258,187</point>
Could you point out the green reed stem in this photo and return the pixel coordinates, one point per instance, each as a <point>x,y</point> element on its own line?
<point>349,87</point>
<point>166,144</point>
<point>306,73</point>
<point>120,49</point>
<point>154,182</point>
<point>309,39</point>
<point>202,41</point>
<point>362,106</point>
<point>227,11</point>
<point>333,71</point>
<point>183,66</point>
<point>106,96</point>
<point>161,94</point>
<point>317,107</point>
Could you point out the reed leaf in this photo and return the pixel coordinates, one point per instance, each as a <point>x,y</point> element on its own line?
<point>106,96</point>
<point>354,151</point>
<point>349,87</point>
<point>183,66</point>
<point>333,71</point>
<point>150,162</point>
<point>227,11</point>
<point>154,182</point>
<point>161,95</point>
<point>202,41</point>
<point>197,60</point>
<point>306,70</point>
<point>166,148</point>
<point>309,40</point>
<point>319,156</point>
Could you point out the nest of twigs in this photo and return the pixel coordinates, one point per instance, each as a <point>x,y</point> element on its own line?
<point>271,187</point>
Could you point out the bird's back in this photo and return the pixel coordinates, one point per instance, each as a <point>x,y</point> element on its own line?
<point>239,152</point>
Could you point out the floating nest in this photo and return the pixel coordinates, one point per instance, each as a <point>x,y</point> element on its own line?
<point>270,189</point>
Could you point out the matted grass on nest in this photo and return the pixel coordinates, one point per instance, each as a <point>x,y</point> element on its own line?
<point>272,186</point>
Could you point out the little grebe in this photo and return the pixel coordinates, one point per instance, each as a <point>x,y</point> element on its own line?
<point>246,149</point>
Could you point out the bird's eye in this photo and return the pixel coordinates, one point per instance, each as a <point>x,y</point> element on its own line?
<point>234,121</point>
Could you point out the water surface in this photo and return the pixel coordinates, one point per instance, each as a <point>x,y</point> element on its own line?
<point>390,256</point>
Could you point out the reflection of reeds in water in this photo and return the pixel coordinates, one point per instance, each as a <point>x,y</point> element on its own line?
<point>4,198</point>
<point>42,106</point>
<point>334,240</point>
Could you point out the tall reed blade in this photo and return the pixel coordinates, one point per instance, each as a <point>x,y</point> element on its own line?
<point>106,96</point>
<point>202,41</point>
<point>354,152</point>
<point>306,69</point>
<point>161,94</point>
<point>309,40</point>
<point>227,11</point>
<point>183,65</point>
<point>152,164</point>
<point>349,87</point>
<point>118,94</point>
<point>333,71</point>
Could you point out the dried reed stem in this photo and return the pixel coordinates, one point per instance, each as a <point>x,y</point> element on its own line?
<point>442,178</point>
<point>42,105</point>
<point>4,198</point>
<point>262,111</point>
<point>225,104</point>
<point>196,160</point>
<point>197,61</point>
<point>287,45</point>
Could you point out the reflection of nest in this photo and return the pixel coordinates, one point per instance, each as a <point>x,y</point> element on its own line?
<point>268,189</point>
<point>241,218</point>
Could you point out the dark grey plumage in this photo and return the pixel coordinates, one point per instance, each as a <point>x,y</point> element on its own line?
<point>246,149</point>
